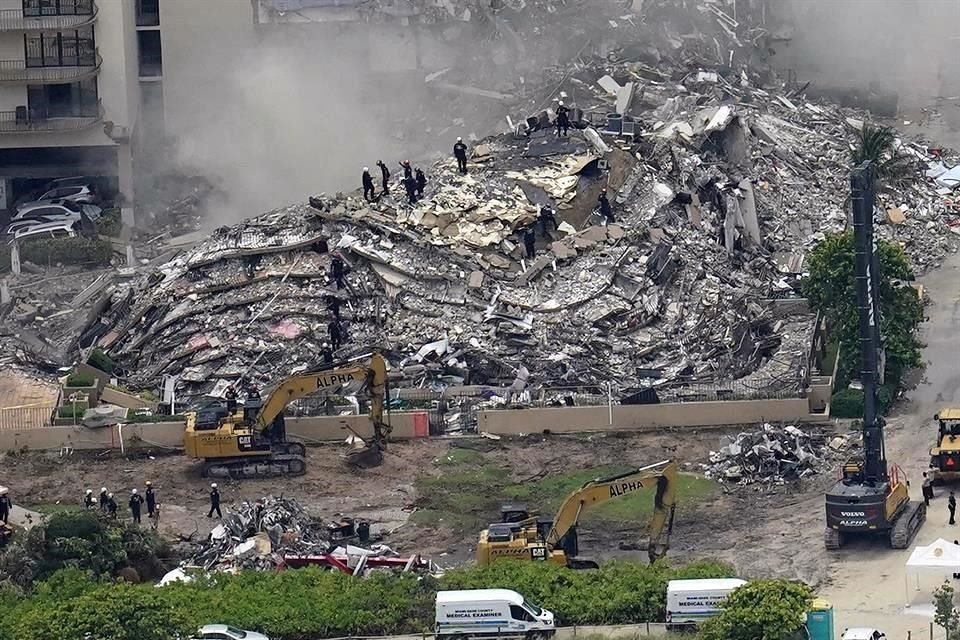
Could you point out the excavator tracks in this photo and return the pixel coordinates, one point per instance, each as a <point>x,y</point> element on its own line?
<point>907,524</point>
<point>277,465</point>
<point>832,539</point>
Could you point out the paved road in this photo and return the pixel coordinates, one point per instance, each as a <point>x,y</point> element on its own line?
<point>867,583</point>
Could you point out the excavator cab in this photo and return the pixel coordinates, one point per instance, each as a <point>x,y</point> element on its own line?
<point>945,455</point>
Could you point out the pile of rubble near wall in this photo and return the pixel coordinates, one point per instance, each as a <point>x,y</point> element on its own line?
<point>720,189</point>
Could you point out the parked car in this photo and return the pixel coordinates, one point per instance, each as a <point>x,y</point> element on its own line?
<point>47,230</point>
<point>79,195</point>
<point>862,633</point>
<point>33,219</point>
<point>226,632</point>
<point>62,207</point>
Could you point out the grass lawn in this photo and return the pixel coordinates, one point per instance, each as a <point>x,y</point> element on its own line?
<point>50,508</point>
<point>468,493</point>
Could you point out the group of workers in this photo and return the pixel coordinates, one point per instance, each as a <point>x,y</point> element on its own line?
<point>107,503</point>
<point>414,181</point>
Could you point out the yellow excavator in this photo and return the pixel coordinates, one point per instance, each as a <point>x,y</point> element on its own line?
<point>945,456</point>
<point>520,536</point>
<point>251,441</point>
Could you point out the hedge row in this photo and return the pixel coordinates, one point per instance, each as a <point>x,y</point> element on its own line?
<point>91,252</point>
<point>310,603</point>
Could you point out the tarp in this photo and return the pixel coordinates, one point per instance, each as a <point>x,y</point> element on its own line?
<point>942,556</point>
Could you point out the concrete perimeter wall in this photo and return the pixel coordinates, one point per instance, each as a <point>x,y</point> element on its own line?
<point>414,424</point>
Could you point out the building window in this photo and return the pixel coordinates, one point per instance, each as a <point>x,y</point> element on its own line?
<point>37,8</point>
<point>148,13</point>
<point>74,100</point>
<point>151,57</point>
<point>64,49</point>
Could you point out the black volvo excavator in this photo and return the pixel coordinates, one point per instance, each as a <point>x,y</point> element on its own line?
<point>870,498</point>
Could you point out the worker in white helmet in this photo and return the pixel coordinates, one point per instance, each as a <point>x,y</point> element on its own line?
<point>111,505</point>
<point>563,119</point>
<point>460,153</point>
<point>104,498</point>
<point>136,501</point>
<point>214,501</point>
<point>5,505</point>
<point>369,192</point>
<point>88,500</point>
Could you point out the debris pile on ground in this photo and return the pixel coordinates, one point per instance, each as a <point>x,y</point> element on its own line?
<point>773,454</point>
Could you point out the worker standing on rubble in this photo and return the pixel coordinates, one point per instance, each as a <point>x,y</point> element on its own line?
<point>460,153</point>
<point>231,396</point>
<point>546,219</point>
<point>151,500</point>
<point>5,505</point>
<point>411,186</point>
<point>927,489</point>
<point>563,119</point>
<point>214,501</point>
<point>336,271</point>
<point>530,241</point>
<point>111,506</point>
<point>407,170</point>
<point>336,334</point>
<point>369,193</point>
<point>421,181</point>
<point>333,304</point>
<point>384,176</point>
<point>136,500</point>
<point>326,353</point>
<point>88,501</point>
<point>605,210</point>
<point>104,498</point>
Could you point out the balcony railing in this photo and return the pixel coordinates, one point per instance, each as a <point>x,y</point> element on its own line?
<point>15,20</point>
<point>18,71</point>
<point>25,120</point>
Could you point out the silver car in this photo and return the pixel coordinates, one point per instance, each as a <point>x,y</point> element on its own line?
<point>81,194</point>
<point>57,207</point>
<point>33,219</point>
<point>226,632</point>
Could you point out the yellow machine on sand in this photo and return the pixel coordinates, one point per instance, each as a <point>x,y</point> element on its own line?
<point>945,456</point>
<point>252,441</point>
<point>521,536</point>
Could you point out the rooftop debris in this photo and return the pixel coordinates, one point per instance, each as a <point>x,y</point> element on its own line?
<point>773,454</point>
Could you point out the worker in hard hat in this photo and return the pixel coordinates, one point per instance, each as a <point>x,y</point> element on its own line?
<point>104,498</point>
<point>111,506</point>
<point>460,153</point>
<point>151,499</point>
<point>369,192</point>
<point>214,501</point>
<point>5,505</point>
<point>136,501</point>
<point>563,118</point>
<point>384,177</point>
<point>88,500</point>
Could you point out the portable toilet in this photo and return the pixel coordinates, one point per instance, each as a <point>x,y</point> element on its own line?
<point>820,620</point>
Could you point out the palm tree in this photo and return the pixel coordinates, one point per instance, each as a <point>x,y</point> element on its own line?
<point>878,144</point>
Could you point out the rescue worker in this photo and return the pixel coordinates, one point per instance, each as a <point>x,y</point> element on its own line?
<point>111,506</point>
<point>460,153</point>
<point>231,396</point>
<point>333,304</point>
<point>369,193</point>
<point>530,241</point>
<point>563,119</point>
<point>384,176</point>
<point>326,353</point>
<point>421,181</point>
<point>88,500</point>
<point>407,170</point>
<point>336,334</point>
<point>151,500</point>
<point>605,210</point>
<point>410,184</point>
<point>546,219</point>
<point>214,501</point>
<point>952,508</point>
<point>336,271</point>
<point>136,500</point>
<point>104,498</point>
<point>927,489</point>
<point>251,390</point>
<point>5,504</point>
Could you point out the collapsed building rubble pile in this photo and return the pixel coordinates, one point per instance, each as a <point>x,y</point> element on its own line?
<point>773,453</point>
<point>276,532</point>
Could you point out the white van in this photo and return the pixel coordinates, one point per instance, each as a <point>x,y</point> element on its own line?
<point>487,613</point>
<point>692,601</point>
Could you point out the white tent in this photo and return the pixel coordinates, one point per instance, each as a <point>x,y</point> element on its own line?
<point>940,557</point>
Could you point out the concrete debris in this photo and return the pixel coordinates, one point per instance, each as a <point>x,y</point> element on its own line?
<point>773,454</point>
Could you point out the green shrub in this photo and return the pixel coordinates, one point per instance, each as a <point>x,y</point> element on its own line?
<point>147,419</point>
<point>72,410</point>
<point>99,359</point>
<point>73,251</point>
<point>848,403</point>
<point>109,224</point>
<point>80,380</point>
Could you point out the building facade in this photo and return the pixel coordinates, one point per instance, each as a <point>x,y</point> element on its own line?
<point>69,99</point>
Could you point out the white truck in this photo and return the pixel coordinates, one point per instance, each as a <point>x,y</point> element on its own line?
<point>690,602</point>
<point>487,613</point>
